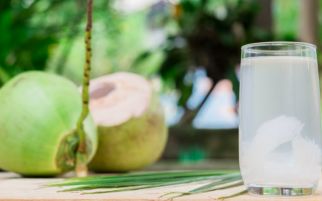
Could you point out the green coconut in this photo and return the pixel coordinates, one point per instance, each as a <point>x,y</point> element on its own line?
<point>131,126</point>
<point>39,112</point>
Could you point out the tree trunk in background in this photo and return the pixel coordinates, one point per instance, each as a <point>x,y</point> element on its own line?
<point>309,11</point>
<point>265,16</point>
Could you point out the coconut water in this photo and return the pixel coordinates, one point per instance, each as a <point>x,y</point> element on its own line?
<point>280,143</point>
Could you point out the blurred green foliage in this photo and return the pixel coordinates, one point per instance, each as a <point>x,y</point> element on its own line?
<point>286,18</point>
<point>29,32</point>
<point>117,39</point>
<point>48,35</point>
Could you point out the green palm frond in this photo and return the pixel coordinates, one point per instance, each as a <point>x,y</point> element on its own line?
<point>214,180</point>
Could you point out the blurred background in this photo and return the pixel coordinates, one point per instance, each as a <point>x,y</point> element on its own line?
<point>189,49</point>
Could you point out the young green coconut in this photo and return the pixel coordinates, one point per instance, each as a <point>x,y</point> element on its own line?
<point>39,114</point>
<point>131,127</point>
<point>45,126</point>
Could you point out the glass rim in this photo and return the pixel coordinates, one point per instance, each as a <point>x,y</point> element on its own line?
<point>277,43</point>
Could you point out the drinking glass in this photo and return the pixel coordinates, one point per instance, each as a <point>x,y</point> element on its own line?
<point>279,132</point>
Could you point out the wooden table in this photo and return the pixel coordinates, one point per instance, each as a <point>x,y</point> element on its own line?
<point>13,187</point>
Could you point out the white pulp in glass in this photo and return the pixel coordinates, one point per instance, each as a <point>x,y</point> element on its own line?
<point>280,121</point>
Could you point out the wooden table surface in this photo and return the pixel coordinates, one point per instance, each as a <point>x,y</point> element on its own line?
<point>13,187</point>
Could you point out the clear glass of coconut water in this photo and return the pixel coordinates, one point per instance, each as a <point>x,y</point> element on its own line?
<point>279,133</point>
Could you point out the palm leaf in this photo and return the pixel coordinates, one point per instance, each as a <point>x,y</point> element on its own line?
<point>139,177</point>
<point>215,180</point>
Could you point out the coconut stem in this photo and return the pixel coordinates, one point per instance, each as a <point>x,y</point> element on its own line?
<point>81,155</point>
